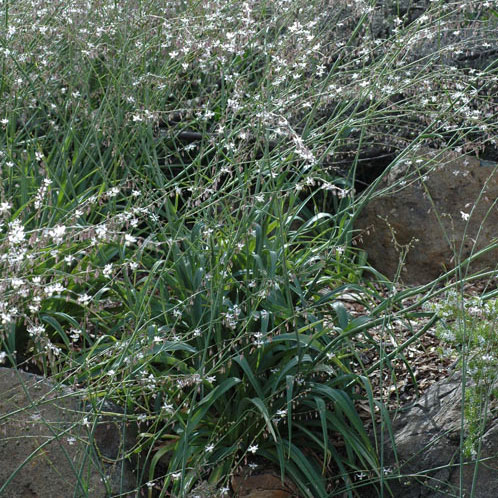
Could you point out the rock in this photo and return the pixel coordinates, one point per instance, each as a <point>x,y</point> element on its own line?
<point>432,209</point>
<point>264,485</point>
<point>427,440</point>
<point>48,447</point>
<point>386,11</point>
<point>468,38</point>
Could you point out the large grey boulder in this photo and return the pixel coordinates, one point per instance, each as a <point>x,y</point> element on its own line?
<point>442,203</point>
<point>467,36</point>
<point>427,438</point>
<point>51,446</point>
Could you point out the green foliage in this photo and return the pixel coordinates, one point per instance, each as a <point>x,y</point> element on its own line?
<point>467,327</point>
<point>258,361</point>
<point>177,197</point>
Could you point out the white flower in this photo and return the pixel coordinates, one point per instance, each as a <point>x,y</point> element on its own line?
<point>465,216</point>
<point>54,289</point>
<point>209,448</point>
<point>16,282</point>
<point>3,356</point>
<point>101,232</point>
<point>84,299</point>
<point>75,334</point>
<point>36,330</point>
<point>16,232</point>
<point>113,192</point>
<point>4,207</point>
<point>52,349</point>
<point>129,239</point>
<point>57,233</point>
<point>253,448</point>
<point>168,407</point>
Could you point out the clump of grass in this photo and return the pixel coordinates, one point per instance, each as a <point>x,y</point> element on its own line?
<point>178,216</point>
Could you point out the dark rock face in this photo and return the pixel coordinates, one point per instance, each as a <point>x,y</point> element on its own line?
<point>262,485</point>
<point>442,205</point>
<point>51,446</point>
<point>474,33</point>
<point>427,440</point>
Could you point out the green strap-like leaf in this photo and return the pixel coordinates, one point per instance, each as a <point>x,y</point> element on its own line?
<point>264,411</point>
<point>242,361</point>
